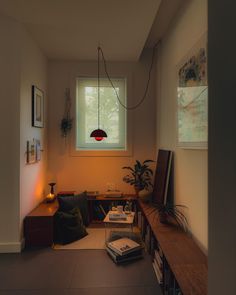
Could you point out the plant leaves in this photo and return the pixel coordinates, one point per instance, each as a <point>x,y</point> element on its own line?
<point>148,161</point>
<point>129,168</point>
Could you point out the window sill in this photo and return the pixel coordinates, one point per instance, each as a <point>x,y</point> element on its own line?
<point>102,153</point>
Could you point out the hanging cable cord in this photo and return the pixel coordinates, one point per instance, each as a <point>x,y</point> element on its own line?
<point>98,87</point>
<point>148,80</point>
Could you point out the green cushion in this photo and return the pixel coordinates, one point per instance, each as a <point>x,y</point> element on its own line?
<point>68,226</point>
<point>67,203</point>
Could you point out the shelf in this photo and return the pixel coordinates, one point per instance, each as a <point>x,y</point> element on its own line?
<point>125,197</point>
<point>185,259</point>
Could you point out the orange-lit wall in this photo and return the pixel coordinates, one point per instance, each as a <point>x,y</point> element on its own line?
<point>93,173</point>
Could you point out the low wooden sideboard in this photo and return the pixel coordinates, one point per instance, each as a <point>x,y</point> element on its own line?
<point>38,225</point>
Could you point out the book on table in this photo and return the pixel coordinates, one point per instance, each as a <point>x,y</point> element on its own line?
<point>137,254</point>
<point>117,216</point>
<point>123,246</point>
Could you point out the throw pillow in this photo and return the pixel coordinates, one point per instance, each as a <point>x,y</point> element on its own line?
<point>68,226</point>
<point>67,203</point>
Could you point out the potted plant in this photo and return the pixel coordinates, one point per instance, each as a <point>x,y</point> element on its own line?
<point>141,175</point>
<point>66,125</point>
<point>170,212</point>
<point>66,122</point>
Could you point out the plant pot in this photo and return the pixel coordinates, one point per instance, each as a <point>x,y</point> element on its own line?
<point>137,190</point>
<point>145,196</point>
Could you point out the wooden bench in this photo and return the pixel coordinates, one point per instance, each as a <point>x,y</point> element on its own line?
<point>185,259</point>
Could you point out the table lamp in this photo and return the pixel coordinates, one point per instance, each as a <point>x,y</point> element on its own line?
<point>51,196</point>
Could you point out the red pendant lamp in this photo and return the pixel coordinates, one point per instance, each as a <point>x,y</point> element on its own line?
<point>98,134</point>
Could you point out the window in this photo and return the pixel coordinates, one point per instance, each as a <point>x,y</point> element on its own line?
<point>112,115</point>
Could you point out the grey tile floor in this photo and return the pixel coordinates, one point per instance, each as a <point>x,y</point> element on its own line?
<point>71,272</point>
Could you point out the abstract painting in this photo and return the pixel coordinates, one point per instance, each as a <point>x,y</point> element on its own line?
<point>192,98</point>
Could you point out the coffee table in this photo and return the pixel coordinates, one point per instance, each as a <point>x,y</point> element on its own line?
<point>128,223</point>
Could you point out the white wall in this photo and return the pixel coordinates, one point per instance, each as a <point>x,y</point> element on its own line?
<point>10,135</point>
<point>32,177</point>
<point>222,148</point>
<point>21,65</point>
<point>93,173</point>
<point>190,166</point>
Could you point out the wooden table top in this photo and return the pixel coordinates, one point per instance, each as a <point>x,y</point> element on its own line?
<point>44,209</point>
<point>186,260</point>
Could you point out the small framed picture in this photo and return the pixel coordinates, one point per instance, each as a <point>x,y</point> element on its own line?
<point>31,152</point>
<point>38,150</point>
<point>37,107</point>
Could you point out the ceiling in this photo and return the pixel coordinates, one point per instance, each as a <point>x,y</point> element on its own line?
<point>72,29</point>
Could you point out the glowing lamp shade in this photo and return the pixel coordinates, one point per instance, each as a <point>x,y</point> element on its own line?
<point>98,134</point>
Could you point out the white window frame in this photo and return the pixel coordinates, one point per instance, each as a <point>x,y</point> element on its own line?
<point>102,145</point>
<point>127,152</point>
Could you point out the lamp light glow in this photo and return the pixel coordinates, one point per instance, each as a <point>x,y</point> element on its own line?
<point>51,197</point>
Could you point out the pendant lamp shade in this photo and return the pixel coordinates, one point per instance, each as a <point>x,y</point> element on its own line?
<point>98,134</point>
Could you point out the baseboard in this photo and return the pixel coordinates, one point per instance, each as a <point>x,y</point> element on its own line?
<point>11,247</point>
<point>22,244</point>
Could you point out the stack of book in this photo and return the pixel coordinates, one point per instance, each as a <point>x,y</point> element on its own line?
<point>124,250</point>
<point>117,216</point>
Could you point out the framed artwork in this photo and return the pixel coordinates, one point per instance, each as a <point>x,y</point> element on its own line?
<point>37,107</point>
<point>38,150</point>
<point>31,152</point>
<point>192,98</point>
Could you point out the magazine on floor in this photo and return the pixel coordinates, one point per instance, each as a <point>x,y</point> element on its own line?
<point>123,246</point>
<point>124,258</point>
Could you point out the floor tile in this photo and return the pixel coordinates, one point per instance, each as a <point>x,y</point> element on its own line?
<point>70,272</point>
<point>39,270</point>
<point>138,290</point>
<point>35,292</point>
<point>103,272</point>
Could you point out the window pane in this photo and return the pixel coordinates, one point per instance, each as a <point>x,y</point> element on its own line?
<point>112,115</point>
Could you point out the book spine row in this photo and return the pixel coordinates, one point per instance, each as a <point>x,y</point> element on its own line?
<point>123,259</point>
<point>163,273</point>
<point>170,285</point>
<point>99,211</point>
<point>158,266</point>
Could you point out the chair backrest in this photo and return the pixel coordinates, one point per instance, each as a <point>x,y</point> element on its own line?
<point>162,174</point>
